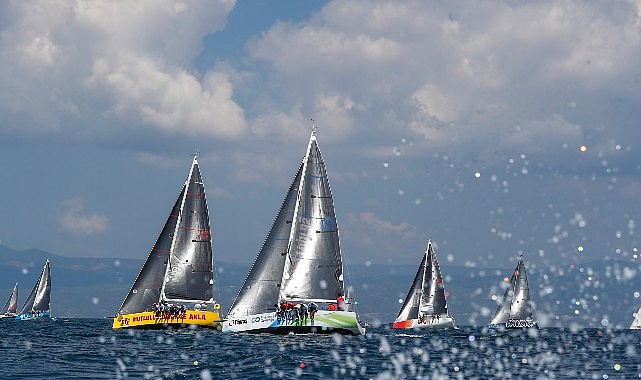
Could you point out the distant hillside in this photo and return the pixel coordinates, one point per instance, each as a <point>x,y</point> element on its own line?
<point>591,294</point>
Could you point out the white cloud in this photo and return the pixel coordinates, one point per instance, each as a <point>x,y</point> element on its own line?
<point>461,75</point>
<point>73,220</point>
<point>66,63</point>
<point>403,229</point>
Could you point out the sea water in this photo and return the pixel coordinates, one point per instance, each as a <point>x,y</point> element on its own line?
<point>90,349</point>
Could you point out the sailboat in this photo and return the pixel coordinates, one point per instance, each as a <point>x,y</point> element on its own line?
<point>425,305</point>
<point>10,308</point>
<point>296,284</point>
<point>175,285</point>
<point>516,309</point>
<point>636,323</point>
<point>38,303</point>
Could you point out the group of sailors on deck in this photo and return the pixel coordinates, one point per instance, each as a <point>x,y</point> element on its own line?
<point>167,310</point>
<point>423,318</point>
<point>293,313</point>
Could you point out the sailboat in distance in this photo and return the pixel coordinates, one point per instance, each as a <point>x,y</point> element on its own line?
<point>175,285</point>
<point>425,305</point>
<point>38,303</point>
<point>516,310</point>
<point>636,323</point>
<point>9,309</point>
<point>296,282</point>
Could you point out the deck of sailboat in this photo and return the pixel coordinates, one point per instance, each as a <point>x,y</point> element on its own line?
<point>150,320</point>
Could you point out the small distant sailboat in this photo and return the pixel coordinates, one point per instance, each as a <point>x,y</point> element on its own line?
<point>636,323</point>
<point>175,285</point>
<point>296,282</point>
<point>38,303</point>
<point>10,308</point>
<point>425,305</point>
<point>516,309</point>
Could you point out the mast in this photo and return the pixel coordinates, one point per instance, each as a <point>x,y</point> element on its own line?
<point>425,305</point>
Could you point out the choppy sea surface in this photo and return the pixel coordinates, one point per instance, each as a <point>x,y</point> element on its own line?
<point>90,349</point>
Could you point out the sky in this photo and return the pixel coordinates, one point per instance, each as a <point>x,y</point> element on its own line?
<point>493,128</point>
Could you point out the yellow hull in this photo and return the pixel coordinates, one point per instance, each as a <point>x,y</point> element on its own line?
<point>149,320</point>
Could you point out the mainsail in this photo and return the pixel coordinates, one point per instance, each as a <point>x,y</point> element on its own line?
<point>259,292</point>
<point>433,301</point>
<point>12,303</point>
<point>426,296</point>
<point>179,267</point>
<point>189,275</point>
<point>516,300</point>
<point>39,300</point>
<point>313,266</point>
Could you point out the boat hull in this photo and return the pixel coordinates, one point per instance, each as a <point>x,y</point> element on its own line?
<point>515,324</point>
<point>149,320</point>
<point>324,322</point>
<point>440,323</point>
<point>30,316</point>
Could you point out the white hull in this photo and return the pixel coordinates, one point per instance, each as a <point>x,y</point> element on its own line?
<point>515,324</point>
<point>325,322</point>
<point>445,322</point>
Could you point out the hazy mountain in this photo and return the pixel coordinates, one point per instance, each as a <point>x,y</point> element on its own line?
<point>591,294</point>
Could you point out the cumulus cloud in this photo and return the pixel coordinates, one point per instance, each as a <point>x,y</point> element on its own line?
<point>93,64</point>
<point>73,219</point>
<point>463,76</point>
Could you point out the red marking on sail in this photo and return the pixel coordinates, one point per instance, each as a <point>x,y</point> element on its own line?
<point>203,235</point>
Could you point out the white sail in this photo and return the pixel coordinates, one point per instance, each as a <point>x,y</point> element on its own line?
<point>636,324</point>
<point>515,309</point>
<point>313,265</point>
<point>11,306</point>
<point>38,303</point>
<point>189,272</point>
